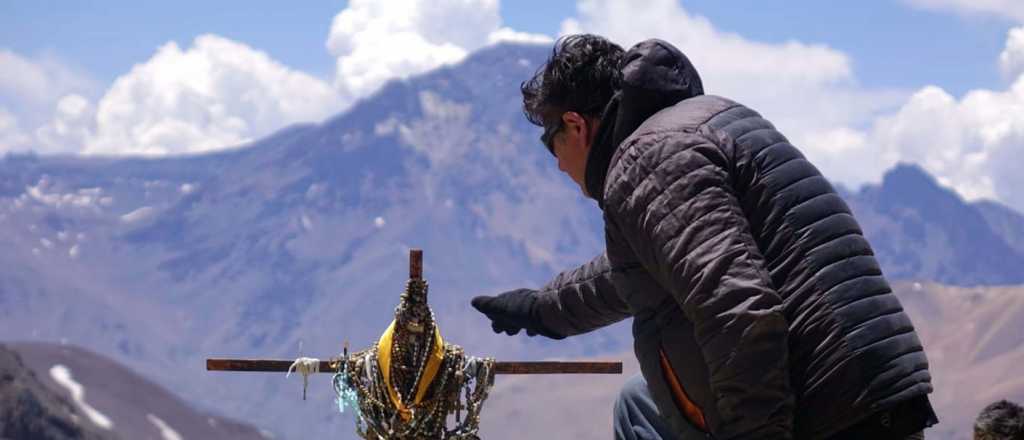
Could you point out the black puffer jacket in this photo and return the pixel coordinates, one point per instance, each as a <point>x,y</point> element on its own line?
<point>739,261</point>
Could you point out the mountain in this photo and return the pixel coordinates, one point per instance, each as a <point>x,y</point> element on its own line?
<point>1006,222</point>
<point>297,242</point>
<point>31,410</point>
<point>294,243</point>
<point>114,400</point>
<point>923,231</point>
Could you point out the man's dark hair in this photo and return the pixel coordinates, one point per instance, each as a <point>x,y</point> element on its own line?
<point>1002,420</point>
<point>581,76</point>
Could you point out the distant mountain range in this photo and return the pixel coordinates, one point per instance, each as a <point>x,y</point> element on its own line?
<point>922,231</point>
<point>294,243</point>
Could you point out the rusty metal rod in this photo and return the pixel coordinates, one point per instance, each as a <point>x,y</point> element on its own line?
<point>541,367</point>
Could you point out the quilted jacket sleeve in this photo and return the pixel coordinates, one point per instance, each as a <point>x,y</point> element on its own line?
<point>582,299</point>
<point>675,199</point>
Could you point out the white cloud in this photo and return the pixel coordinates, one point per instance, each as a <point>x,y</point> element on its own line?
<point>71,126</point>
<point>32,90</point>
<point>972,144</point>
<point>12,138</point>
<point>376,41</point>
<point>1013,9</point>
<point>1011,60</point>
<point>809,91</point>
<point>512,36</point>
<point>216,94</point>
<point>38,82</point>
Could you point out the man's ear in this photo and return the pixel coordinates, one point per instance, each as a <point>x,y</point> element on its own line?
<point>575,124</point>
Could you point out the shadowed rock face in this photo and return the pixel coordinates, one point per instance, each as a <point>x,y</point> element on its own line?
<point>31,410</point>
<point>132,406</point>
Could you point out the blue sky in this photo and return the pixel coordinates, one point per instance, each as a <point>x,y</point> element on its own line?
<point>892,43</point>
<point>859,86</point>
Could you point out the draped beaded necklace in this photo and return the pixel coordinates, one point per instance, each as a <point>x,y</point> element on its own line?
<point>408,385</point>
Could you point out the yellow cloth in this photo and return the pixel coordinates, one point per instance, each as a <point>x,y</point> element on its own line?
<point>429,371</point>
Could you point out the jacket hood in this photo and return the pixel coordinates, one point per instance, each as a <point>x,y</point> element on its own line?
<point>655,75</point>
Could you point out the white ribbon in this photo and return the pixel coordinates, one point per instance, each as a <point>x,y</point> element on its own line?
<point>304,366</point>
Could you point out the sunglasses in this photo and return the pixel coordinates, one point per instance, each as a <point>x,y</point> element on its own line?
<point>548,137</point>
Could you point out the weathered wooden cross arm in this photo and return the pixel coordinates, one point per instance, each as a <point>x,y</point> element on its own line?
<point>416,272</point>
<point>540,367</point>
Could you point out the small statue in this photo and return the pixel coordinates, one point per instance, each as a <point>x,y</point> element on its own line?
<point>408,385</point>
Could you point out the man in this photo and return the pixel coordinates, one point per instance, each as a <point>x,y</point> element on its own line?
<point>759,311</point>
<point>1002,420</point>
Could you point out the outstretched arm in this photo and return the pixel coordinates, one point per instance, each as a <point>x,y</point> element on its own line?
<point>574,302</point>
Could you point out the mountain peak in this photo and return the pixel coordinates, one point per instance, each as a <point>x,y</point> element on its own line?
<point>908,178</point>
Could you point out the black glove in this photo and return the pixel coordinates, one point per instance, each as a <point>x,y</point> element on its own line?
<point>513,311</point>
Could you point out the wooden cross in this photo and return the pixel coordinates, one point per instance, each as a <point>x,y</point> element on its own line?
<point>416,273</point>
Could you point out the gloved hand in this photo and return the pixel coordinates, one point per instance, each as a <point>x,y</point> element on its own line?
<point>513,311</point>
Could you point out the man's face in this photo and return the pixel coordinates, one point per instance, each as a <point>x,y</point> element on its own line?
<point>570,143</point>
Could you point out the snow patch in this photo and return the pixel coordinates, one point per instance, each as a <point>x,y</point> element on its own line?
<point>315,191</point>
<point>166,432</point>
<point>82,198</point>
<point>140,214</point>
<point>386,127</point>
<point>62,375</point>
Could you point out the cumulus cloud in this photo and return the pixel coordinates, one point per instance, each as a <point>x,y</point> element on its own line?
<point>972,144</point>
<point>377,41</point>
<point>35,84</point>
<point>215,94</point>
<point>70,128</point>
<point>1011,60</point>
<point>808,90</point>
<point>33,91</point>
<point>1013,9</point>
<point>12,138</point>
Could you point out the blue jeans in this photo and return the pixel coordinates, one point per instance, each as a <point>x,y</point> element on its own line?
<point>637,417</point>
